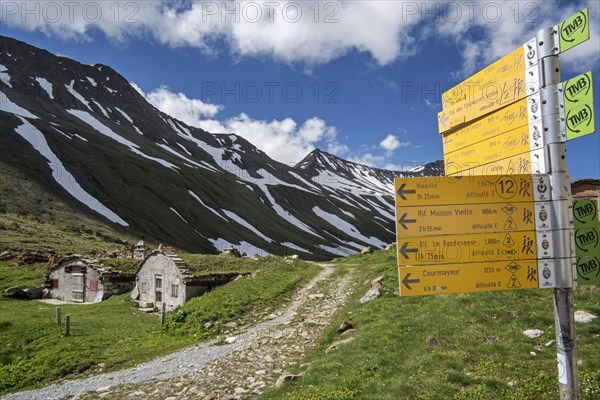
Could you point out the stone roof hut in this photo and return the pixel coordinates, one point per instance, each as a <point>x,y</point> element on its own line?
<point>165,278</point>
<point>86,280</point>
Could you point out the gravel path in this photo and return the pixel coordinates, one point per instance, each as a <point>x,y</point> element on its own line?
<point>240,369</point>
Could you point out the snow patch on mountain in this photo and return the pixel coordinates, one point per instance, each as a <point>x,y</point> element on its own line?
<point>4,76</point>
<point>9,106</point>
<point>199,200</point>
<point>243,247</point>
<point>295,247</point>
<point>179,215</point>
<point>71,88</point>
<point>346,227</point>
<point>106,131</point>
<point>233,216</point>
<point>47,86</point>
<point>61,175</point>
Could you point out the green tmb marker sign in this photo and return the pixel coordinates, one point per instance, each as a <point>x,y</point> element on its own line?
<point>587,237</point>
<point>579,106</point>
<point>574,30</point>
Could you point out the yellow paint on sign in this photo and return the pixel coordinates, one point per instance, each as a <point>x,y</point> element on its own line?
<point>462,219</point>
<point>489,100</point>
<point>509,118</point>
<point>532,162</point>
<point>473,277</point>
<point>506,67</point>
<point>430,191</point>
<point>509,144</point>
<point>450,249</point>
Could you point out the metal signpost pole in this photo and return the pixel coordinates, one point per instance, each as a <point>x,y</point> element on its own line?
<point>548,49</point>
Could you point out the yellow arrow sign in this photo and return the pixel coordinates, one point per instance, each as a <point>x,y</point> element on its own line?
<point>514,116</point>
<point>518,141</point>
<point>445,190</point>
<point>514,63</point>
<point>489,100</point>
<point>450,249</point>
<point>464,219</point>
<point>533,162</point>
<point>474,277</point>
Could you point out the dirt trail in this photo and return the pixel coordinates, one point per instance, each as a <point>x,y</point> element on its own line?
<point>238,370</point>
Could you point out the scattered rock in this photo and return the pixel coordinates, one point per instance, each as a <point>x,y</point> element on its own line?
<point>316,296</point>
<point>372,294</point>
<point>512,384</point>
<point>231,252</point>
<point>434,341</point>
<point>208,325</point>
<point>344,327</point>
<point>533,333</point>
<point>103,389</point>
<point>377,283</point>
<point>291,259</point>
<point>366,250</point>
<point>231,339</point>
<point>337,344</point>
<point>533,353</point>
<point>584,317</point>
<point>390,247</point>
<point>348,332</point>
<point>284,378</point>
<point>513,314</point>
<point>550,343</point>
<point>240,390</point>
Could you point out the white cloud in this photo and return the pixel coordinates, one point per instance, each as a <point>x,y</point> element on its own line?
<point>312,33</point>
<point>178,105</point>
<point>283,140</point>
<point>391,143</point>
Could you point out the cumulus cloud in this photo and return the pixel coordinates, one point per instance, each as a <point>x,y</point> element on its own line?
<point>312,33</point>
<point>283,140</point>
<point>391,143</point>
<point>178,105</point>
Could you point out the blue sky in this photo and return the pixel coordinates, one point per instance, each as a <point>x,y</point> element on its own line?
<point>361,79</point>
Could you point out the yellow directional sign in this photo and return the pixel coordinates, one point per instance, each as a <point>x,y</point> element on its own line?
<point>525,112</point>
<point>508,144</point>
<point>533,162</point>
<point>449,249</point>
<point>514,63</point>
<point>432,191</point>
<point>468,218</point>
<point>491,99</point>
<point>471,277</point>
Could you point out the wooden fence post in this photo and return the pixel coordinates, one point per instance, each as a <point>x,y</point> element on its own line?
<point>163,312</point>
<point>58,320</point>
<point>68,325</point>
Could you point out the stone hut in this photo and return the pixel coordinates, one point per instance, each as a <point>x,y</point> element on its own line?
<point>85,280</point>
<point>165,278</point>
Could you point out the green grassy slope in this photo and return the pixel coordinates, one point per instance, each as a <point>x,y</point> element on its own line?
<point>463,346</point>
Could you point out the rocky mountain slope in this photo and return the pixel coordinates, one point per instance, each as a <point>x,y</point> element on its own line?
<point>88,137</point>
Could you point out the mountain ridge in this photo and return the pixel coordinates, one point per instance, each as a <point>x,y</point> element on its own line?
<point>86,135</point>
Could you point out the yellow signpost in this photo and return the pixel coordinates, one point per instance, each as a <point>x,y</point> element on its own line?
<point>514,63</point>
<point>485,247</point>
<point>532,162</point>
<point>471,277</point>
<point>492,98</point>
<point>507,119</point>
<point>465,218</point>
<point>433,191</point>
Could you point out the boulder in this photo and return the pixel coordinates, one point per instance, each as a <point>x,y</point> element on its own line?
<point>284,378</point>
<point>345,326</point>
<point>337,344</point>
<point>366,250</point>
<point>372,294</point>
<point>231,252</point>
